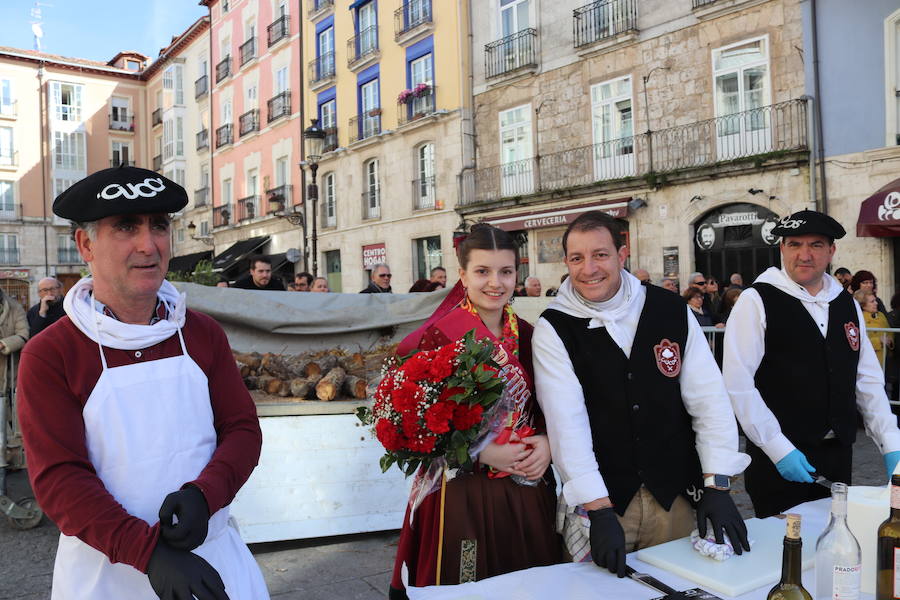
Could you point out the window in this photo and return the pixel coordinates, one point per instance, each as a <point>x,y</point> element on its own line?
<point>281,80</point>
<point>224,6</point>
<point>226,112</point>
<point>891,77</point>
<point>178,177</point>
<point>613,129</point>
<point>515,151</point>
<point>427,252</point>
<point>60,185</point>
<point>120,114</point>
<point>68,151</point>
<point>121,153</point>
<point>168,139</point>
<point>226,192</point>
<point>367,27</point>
<point>281,171</point>
<point>6,98</point>
<point>180,235</point>
<point>132,65</point>
<point>421,71</point>
<point>424,184</point>
<point>371,196</point>
<point>7,200</point>
<point>514,16</point>
<point>179,136</point>
<point>7,152</point>
<point>328,115</point>
<point>329,209</point>
<point>9,249</point>
<point>369,101</point>
<point>325,50</point>
<point>204,227</point>
<point>250,96</point>
<point>333,270</point>
<point>204,176</point>
<point>66,101</point>
<point>741,87</point>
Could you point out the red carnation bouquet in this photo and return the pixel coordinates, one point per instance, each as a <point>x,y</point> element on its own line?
<point>437,409</point>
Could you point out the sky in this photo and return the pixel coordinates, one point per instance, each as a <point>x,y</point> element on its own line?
<point>98,29</point>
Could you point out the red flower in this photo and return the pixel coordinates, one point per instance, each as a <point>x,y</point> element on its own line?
<point>450,391</point>
<point>438,415</point>
<point>404,397</point>
<point>422,444</point>
<point>417,367</point>
<point>465,416</point>
<point>410,423</point>
<point>388,435</point>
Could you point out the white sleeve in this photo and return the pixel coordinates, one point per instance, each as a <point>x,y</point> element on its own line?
<point>561,398</point>
<point>705,399</point>
<point>744,347</point>
<point>871,399</point>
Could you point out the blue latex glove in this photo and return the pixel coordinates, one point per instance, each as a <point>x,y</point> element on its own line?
<point>890,462</point>
<point>795,467</point>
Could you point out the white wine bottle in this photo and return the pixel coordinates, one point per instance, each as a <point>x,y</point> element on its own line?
<point>838,557</point>
<point>791,586</point>
<point>887,584</point>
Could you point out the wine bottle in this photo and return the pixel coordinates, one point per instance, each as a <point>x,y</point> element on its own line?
<point>887,584</point>
<point>838,557</point>
<point>791,587</point>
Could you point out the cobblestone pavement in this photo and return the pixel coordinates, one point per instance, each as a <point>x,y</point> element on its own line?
<point>353,567</point>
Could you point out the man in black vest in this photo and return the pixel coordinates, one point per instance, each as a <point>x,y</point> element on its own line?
<point>797,365</point>
<point>637,413</point>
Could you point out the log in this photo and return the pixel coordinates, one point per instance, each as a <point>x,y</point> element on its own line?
<point>251,382</point>
<point>304,387</point>
<point>321,365</point>
<point>328,388</point>
<point>276,366</point>
<point>252,360</point>
<point>285,390</point>
<point>245,370</point>
<point>355,387</point>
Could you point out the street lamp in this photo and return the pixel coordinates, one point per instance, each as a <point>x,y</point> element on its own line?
<point>206,239</point>
<point>313,143</point>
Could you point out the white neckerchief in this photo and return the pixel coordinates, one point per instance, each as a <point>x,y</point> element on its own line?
<point>81,309</point>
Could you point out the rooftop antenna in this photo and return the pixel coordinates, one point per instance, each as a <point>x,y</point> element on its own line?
<point>37,22</point>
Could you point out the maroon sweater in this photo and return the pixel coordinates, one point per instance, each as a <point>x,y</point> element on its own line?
<point>58,371</point>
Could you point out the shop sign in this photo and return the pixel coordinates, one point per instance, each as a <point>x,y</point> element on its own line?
<point>670,261</point>
<point>372,255</point>
<point>559,218</point>
<point>16,274</point>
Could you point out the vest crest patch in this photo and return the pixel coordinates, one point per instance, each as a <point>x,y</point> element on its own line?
<point>668,358</point>
<point>852,332</point>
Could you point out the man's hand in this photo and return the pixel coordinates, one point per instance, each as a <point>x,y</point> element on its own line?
<point>46,301</point>
<point>718,507</point>
<point>607,541</point>
<point>189,505</point>
<point>795,467</point>
<point>179,574</point>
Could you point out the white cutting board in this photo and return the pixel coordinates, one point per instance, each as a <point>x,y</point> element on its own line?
<point>737,575</point>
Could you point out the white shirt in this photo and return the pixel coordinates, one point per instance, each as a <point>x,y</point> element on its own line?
<point>743,353</point>
<point>561,396</point>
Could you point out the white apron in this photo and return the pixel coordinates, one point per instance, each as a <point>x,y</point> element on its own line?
<point>149,430</point>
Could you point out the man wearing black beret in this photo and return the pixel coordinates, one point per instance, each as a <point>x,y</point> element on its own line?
<point>798,364</point>
<point>138,429</point>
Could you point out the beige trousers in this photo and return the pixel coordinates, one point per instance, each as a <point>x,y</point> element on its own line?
<point>646,523</point>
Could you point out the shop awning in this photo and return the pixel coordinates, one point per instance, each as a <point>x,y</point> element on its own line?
<point>559,217</point>
<point>879,214</point>
<point>278,260</point>
<point>188,262</point>
<point>237,251</point>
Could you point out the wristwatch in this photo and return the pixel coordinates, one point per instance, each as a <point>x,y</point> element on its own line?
<point>723,482</point>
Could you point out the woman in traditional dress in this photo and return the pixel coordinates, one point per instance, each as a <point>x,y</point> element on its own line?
<point>480,524</point>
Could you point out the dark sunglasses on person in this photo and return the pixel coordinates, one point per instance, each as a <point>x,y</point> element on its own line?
<point>388,275</point>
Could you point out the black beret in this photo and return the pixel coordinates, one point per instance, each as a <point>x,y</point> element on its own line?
<point>119,191</point>
<point>806,222</point>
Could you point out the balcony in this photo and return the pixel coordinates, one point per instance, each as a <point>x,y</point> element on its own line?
<point>68,256</point>
<point>221,215</point>
<point>223,69</point>
<point>371,200</point>
<point>224,135</point>
<point>752,136</point>
<point>411,17</point>
<point>203,139</point>
<point>157,162</point>
<point>201,197</point>
<point>9,158</point>
<point>278,198</point>
<point>604,20</point>
<point>10,212</point>
<point>247,208</point>
<point>201,86</point>
<point>279,106</point>
<point>331,139</point>
<point>362,48</point>
<point>9,256</point>
<point>117,123</point>
<point>415,103</point>
<point>365,126</point>
<point>248,51</point>
<point>321,70</point>
<point>117,162</point>
<point>701,3</point>
<point>248,122</point>
<point>9,110</point>
<point>423,193</point>
<point>156,117</point>
<point>317,7</point>
<point>278,30</point>
<point>514,52</point>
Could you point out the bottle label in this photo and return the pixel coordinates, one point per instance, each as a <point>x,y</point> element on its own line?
<point>896,573</point>
<point>845,583</point>
<point>895,496</point>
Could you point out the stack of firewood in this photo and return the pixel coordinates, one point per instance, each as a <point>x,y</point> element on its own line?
<point>327,375</point>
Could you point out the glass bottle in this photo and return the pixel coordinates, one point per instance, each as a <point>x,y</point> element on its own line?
<point>887,584</point>
<point>838,557</point>
<point>791,586</point>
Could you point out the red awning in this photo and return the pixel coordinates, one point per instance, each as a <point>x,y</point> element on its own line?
<point>879,214</point>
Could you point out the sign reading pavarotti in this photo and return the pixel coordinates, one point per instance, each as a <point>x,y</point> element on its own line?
<point>372,255</point>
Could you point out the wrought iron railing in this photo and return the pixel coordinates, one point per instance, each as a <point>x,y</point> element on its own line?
<point>116,162</point>
<point>604,19</point>
<point>331,139</point>
<point>156,117</point>
<point>68,255</point>
<point>278,30</point>
<point>248,51</point>
<point>201,86</point>
<point>423,193</point>
<point>202,139</point>
<point>279,106</point>
<point>120,124</point>
<point>362,45</point>
<point>321,68</point>
<point>753,133</point>
<point>365,126</point>
<point>247,208</point>
<point>416,107</point>
<point>201,197</point>
<point>511,53</point>
<point>224,135</point>
<point>157,162</point>
<point>371,200</point>
<point>248,122</point>
<point>699,3</point>
<point>221,215</point>
<point>278,198</point>
<point>409,16</point>
<point>223,69</point>
<point>317,5</point>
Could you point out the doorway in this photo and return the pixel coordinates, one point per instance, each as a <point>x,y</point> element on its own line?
<point>736,239</point>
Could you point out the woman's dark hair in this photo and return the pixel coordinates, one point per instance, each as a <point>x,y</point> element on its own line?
<point>420,285</point>
<point>895,301</point>
<point>690,293</point>
<point>486,237</point>
<point>592,220</point>
<point>861,276</point>
<point>730,297</point>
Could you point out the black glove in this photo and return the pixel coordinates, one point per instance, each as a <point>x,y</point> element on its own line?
<point>178,574</point>
<point>718,507</point>
<point>607,541</point>
<point>189,505</point>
